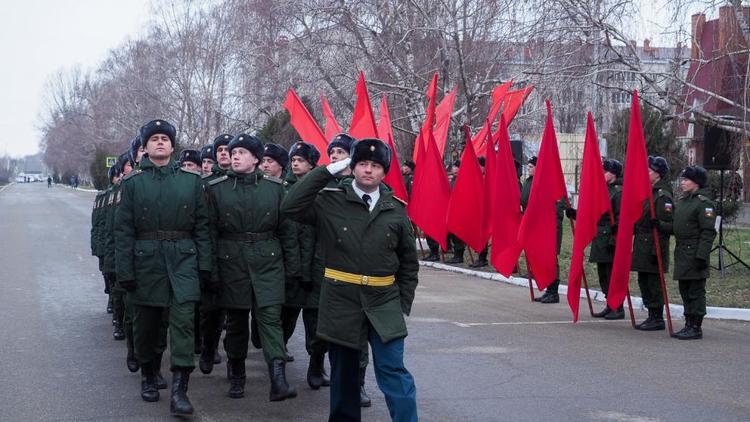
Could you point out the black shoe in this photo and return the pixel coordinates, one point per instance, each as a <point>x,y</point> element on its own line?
<point>456,259</point>
<point>110,309</point>
<point>316,372</point>
<point>654,322</point>
<point>479,263</point>
<point>206,361</point>
<point>149,392</point>
<point>118,333</point>
<point>364,399</point>
<point>237,382</point>
<point>603,313</point>
<point>280,389</point>
<point>179,404</point>
<point>551,298</point>
<point>542,297</point>
<point>692,330</point>
<point>431,258</point>
<point>617,314</point>
<point>161,383</point>
<point>131,362</point>
<point>289,357</point>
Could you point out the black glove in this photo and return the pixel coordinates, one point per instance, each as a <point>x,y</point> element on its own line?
<point>700,264</point>
<point>307,285</point>
<point>571,213</point>
<point>128,285</point>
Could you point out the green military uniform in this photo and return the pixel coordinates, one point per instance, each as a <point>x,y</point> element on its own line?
<point>108,263</point>
<point>602,250</point>
<point>97,229</point>
<point>162,242</point>
<point>644,251</point>
<point>694,232</point>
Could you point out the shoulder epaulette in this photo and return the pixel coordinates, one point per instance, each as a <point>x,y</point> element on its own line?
<point>132,174</point>
<point>207,175</point>
<point>332,190</point>
<point>190,171</point>
<point>400,200</point>
<point>218,180</point>
<point>704,198</point>
<point>273,179</point>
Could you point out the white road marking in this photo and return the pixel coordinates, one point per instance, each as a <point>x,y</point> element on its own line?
<point>483,324</point>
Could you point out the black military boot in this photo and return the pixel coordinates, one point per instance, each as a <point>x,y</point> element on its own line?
<point>237,382</point>
<point>458,258</point>
<point>206,361</point>
<point>603,313</point>
<point>130,361</point>
<point>551,297</point>
<point>149,392</point>
<point>316,373</point>
<point>542,297</point>
<point>616,314</point>
<point>110,309</point>
<point>179,404</point>
<point>119,332</point>
<point>364,399</point>
<point>654,322</point>
<point>432,257</point>
<point>161,383</point>
<point>692,330</point>
<point>280,389</point>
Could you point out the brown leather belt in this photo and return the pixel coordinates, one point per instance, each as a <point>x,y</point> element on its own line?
<point>248,236</point>
<point>164,235</point>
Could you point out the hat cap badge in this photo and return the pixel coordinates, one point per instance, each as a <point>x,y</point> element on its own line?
<point>372,147</point>
<point>158,123</point>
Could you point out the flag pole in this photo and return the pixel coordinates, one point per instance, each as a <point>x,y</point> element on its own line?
<point>528,270</point>
<point>660,263</point>
<point>583,270</point>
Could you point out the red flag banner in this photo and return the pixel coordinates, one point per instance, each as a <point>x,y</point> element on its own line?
<point>636,188</point>
<point>332,127</point>
<point>393,178</point>
<point>443,119</point>
<point>489,183</point>
<point>538,232</point>
<point>363,120</point>
<point>593,201</point>
<point>513,102</point>
<point>305,125</point>
<point>507,210</point>
<point>466,201</point>
<point>429,119</point>
<point>498,94</point>
<point>430,195</point>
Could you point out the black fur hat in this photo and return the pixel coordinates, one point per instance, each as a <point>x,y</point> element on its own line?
<point>411,164</point>
<point>343,141</point>
<point>371,149</point>
<point>207,152</point>
<point>190,155</point>
<point>158,127</point>
<point>220,140</point>
<point>306,151</point>
<point>697,174</point>
<point>277,153</point>
<point>123,159</point>
<point>113,171</point>
<point>613,166</point>
<point>249,142</point>
<point>135,145</point>
<point>532,160</point>
<point>659,165</point>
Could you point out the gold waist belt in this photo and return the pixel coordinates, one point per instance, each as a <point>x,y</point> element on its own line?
<point>364,280</point>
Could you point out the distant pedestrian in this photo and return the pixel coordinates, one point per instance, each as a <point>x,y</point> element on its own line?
<point>49,181</point>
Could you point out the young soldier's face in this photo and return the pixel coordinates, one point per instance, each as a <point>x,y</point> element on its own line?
<point>222,156</point>
<point>405,170</point>
<point>189,165</point>
<point>159,147</point>
<point>368,174</point>
<point>532,169</point>
<point>338,154</point>
<point>653,176</point>
<point>687,185</point>
<point>300,166</point>
<point>609,177</point>
<point>126,169</point>
<point>243,161</point>
<point>271,167</point>
<point>207,165</point>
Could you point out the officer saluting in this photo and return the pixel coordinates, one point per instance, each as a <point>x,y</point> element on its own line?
<point>370,276</point>
<point>694,233</point>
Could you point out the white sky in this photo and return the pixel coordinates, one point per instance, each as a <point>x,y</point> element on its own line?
<point>39,37</point>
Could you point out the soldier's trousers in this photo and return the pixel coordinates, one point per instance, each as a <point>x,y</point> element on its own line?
<point>148,336</point>
<point>457,244</point>
<point>650,290</point>
<point>269,327</point>
<point>211,322</point>
<point>693,294</point>
<point>604,270</point>
<point>434,247</point>
<point>289,316</point>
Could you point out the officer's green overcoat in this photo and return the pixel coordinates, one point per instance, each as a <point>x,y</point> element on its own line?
<point>644,251</point>
<point>694,233</point>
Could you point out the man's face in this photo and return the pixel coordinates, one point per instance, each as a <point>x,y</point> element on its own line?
<point>531,168</point>
<point>653,176</point>
<point>126,169</point>
<point>222,156</point>
<point>207,165</point>
<point>609,177</point>
<point>338,154</point>
<point>189,165</point>
<point>300,166</point>
<point>687,185</point>
<point>368,174</point>
<point>243,161</point>
<point>116,179</point>
<point>405,170</point>
<point>271,167</point>
<point>159,147</point>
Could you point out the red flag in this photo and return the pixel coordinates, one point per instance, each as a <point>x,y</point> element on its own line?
<point>593,201</point>
<point>506,216</point>
<point>443,119</point>
<point>513,102</point>
<point>497,101</point>
<point>489,184</point>
<point>430,195</point>
<point>429,119</point>
<point>305,124</point>
<point>466,201</point>
<point>332,126</point>
<point>393,178</point>
<point>363,120</point>
<point>538,232</point>
<point>636,188</point>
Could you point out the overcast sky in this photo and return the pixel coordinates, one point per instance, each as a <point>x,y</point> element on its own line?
<point>39,37</point>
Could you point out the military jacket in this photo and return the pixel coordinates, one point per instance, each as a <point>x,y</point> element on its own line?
<point>304,248</point>
<point>644,251</point>
<point>250,203</point>
<point>694,233</point>
<point>157,200</point>
<point>603,245</point>
<point>94,215</point>
<point>108,233</point>
<point>357,241</point>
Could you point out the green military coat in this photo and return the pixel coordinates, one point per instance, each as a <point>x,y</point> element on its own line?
<point>304,248</point>
<point>250,203</point>
<point>165,199</point>
<point>694,233</point>
<point>94,215</point>
<point>603,245</point>
<point>355,240</point>
<point>644,251</point>
<point>108,233</point>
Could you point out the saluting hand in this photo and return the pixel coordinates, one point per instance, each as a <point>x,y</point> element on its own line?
<point>338,166</point>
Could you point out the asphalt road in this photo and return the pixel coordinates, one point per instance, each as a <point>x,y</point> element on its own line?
<point>479,351</point>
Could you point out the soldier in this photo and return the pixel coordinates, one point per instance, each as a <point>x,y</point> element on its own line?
<point>221,155</point>
<point>207,159</point>
<point>275,160</point>
<point>163,255</point>
<point>644,250</point>
<point>694,233</point>
<point>251,242</point>
<point>135,153</point>
<point>407,170</point>
<point>303,289</point>
<point>108,265</point>
<point>370,275</point>
<point>190,159</point>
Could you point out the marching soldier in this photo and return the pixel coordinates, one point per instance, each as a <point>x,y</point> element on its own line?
<point>251,242</point>
<point>644,251</point>
<point>694,233</point>
<point>163,255</point>
<point>207,159</point>
<point>190,159</point>
<point>116,292</point>
<point>106,266</point>
<point>370,275</point>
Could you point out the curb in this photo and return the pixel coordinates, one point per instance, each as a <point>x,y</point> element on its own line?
<point>7,186</point>
<point>712,312</point>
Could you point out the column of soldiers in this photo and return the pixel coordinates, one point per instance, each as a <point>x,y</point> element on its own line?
<point>187,247</point>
